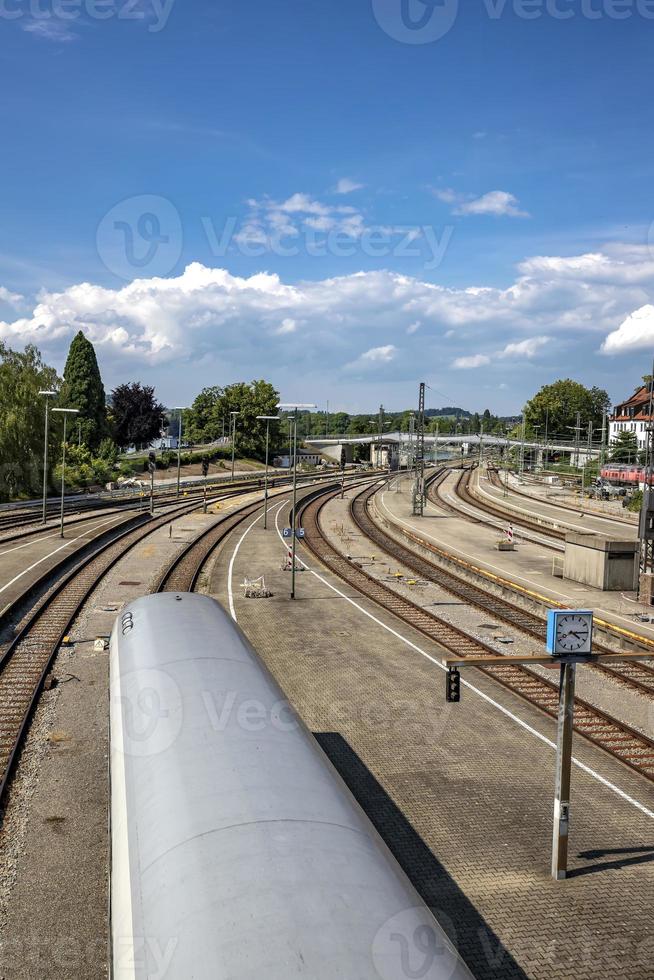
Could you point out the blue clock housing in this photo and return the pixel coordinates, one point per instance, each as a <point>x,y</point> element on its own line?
<point>552,618</point>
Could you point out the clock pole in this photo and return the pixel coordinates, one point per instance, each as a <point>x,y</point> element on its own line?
<point>563,770</point>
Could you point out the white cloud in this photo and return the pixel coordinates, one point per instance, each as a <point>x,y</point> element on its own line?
<point>447,195</point>
<point>414,327</point>
<point>497,203</point>
<point>50,29</point>
<point>518,349</point>
<point>524,348</point>
<point>634,333</point>
<point>346,186</point>
<point>269,220</point>
<point>251,324</point>
<point>471,361</point>
<point>12,299</point>
<point>380,355</point>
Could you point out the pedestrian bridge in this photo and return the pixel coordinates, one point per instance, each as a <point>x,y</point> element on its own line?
<point>399,443</point>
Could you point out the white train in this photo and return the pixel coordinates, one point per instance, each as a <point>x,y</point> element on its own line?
<point>237,851</point>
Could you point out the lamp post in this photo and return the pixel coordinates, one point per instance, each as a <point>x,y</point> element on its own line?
<point>233,415</point>
<point>267,419</point>
<point>295,408</point>
<point>179,449</point>
<point>65,412</point>
<point>46,394</point>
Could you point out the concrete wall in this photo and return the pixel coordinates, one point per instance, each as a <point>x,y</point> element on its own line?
<point>603,563</point>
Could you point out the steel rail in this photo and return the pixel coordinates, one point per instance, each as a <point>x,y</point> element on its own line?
<point>638,676</point>
<point>617,739</point>
<point>25,664</point>
<point>520,524</point>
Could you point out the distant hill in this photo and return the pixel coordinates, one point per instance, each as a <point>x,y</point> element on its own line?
<point>450,413</point>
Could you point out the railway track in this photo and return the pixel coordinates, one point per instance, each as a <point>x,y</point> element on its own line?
<point>619,740</point>
<point>589,512</point>
<point>26,662</point>
<point>31,526</point>
<point>519,522</point>
<point>184,571</point>
<point>638,676</point>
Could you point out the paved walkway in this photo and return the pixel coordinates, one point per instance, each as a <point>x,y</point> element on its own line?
<point>462,793</point>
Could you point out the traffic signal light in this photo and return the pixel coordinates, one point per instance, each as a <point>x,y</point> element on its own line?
<point>205,466</point>
<point>152,461</point>
<point>453,685</point>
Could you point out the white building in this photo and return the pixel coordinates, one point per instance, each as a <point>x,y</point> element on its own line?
<point>632,415</point>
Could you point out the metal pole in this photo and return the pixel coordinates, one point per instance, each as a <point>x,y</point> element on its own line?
<point>563,768</point>
<point>294,505</point>
<point>151,492</point>
<point>265,481</point>
<point>233,443</point>
<point>438,429</point>
<point>45,464</point>
<point>63,472</point>
<point>179,451</point>
<point>547,426</point>
<point>522,448</point>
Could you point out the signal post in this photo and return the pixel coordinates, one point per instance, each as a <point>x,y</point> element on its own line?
<point>569,642</point>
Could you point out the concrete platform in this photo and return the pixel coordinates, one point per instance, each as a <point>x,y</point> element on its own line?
<point>23,562</point>
<point>543,504</point>
<point>462,793</point>
<point>529,565</point>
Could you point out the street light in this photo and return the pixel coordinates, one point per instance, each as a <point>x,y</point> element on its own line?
<point>65,412</point>
<point>295,407</point>
<point>267,419</point>
<point>179,449</point>
<point>233,415</point>
<point>46,394</point>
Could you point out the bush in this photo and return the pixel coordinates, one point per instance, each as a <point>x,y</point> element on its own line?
<point>636,501</point>
<point>82,469</point>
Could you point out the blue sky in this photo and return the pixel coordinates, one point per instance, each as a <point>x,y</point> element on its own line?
<point>324,195</point>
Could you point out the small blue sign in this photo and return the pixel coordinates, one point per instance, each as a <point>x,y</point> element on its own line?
<point>287,532</point>
<point>299,533</point>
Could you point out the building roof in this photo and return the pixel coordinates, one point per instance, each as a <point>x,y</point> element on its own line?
<point>635,407</point>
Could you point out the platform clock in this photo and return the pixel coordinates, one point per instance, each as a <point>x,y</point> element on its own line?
<point>569,632</point>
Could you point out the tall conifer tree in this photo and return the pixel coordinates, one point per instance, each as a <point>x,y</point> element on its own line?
<point>83,389</point>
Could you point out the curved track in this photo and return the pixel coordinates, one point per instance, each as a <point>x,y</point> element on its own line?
<point>27,661</point>
<point>529,529</point>
<point>638,676</point>
<point>619,740</point>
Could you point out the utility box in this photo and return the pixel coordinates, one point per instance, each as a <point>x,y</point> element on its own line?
<point>609,564</point>
<point>646,594</point>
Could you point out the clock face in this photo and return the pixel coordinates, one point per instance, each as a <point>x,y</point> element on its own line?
<point>573,633</point>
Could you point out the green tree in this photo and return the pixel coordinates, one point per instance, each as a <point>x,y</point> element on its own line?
<point>83,389</point>
<point>203,422</point>
<point>556,406</point>
<point>136,413</point>
<point>22,420</point>
<point>624,448</point>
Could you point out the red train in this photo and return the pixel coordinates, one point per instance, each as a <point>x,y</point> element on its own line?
<point>624,473</point>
